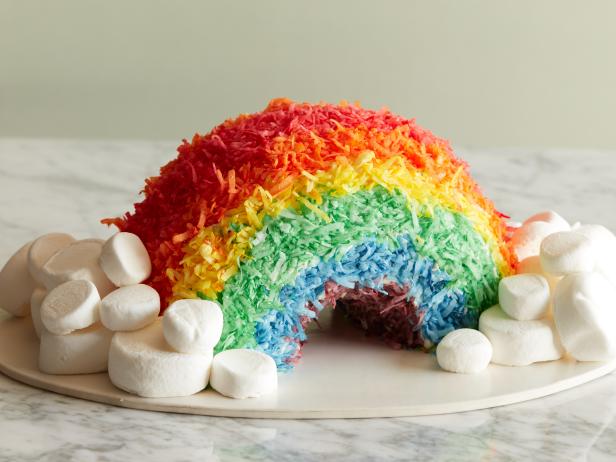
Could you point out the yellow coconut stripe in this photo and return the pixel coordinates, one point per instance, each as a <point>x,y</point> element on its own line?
<point>214,254</point>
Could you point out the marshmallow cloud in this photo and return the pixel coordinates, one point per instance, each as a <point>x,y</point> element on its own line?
<point>551,217</point>
<point>81,352</point>
<point>526,240</point>
<point>70,306</point>
<point>567,252</point>
<point>585,316</point>
<point>193,326</point>
<point>519,343</point>
<point>524,296</point>
<point>604,243</point>
<point>42,250</point>
<point>142,363</point>
<point>130,308</point>
<point>77,261</point>
<point>242,373</point>
<point>465,351</point>
<point>125,260</point>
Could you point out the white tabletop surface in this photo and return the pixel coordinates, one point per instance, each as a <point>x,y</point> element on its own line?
<point>70,185</point>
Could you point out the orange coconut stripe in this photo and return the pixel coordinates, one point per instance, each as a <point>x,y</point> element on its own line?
<point>214,254</point>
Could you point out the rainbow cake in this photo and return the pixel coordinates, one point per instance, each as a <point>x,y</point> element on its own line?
<point>283,213</point>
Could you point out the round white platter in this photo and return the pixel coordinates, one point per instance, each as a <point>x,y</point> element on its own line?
<point>342,374</point>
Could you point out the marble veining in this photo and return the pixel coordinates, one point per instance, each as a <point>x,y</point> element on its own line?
<point>65,185</point>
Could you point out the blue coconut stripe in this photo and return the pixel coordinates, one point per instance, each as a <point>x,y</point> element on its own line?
<point>370,264</point>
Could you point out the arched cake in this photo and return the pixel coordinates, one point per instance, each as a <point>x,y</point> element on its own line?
<point>282,213</point>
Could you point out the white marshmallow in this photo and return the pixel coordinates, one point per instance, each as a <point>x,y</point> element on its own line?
<point>599,235</point>
<point>585,316</point>
<point>130,308</point>
<point>77,261</point>
<point>524,296</point>
<point>142,363</point>
<point>567,252</point>
<point>549,216</point>
<point>519,343</point>
<point>125,259</point>
<point>512,227</point>
<point>604,243</point>
<point>42,250</point>
<point>71,306</point>
<point>532,265</point>
<point>16,284</point>
<point>466,351</point>
<point>81,352</point>
<point>243,374</point>
<point>526,240</point>
<point>36,301</point>
<point>192,325</point>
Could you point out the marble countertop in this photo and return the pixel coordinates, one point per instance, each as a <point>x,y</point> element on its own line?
<point>69,185</point>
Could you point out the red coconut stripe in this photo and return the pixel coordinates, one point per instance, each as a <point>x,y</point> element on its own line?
<point>217,172</point>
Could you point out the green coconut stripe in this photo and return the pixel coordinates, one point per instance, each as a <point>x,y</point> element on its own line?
<point>295,240</point>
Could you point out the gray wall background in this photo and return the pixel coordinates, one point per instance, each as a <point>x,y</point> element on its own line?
<point>481,73</point>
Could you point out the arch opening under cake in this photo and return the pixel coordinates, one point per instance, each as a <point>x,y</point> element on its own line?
<point>386,289</point>
<point>362,256</point>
